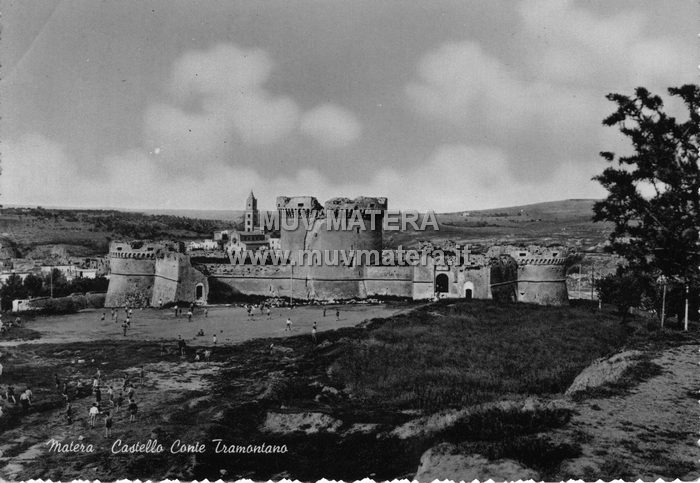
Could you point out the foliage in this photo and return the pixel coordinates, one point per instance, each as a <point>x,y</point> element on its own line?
<point>625,289</point>
<point>657,234</point>
<point>13,288</point>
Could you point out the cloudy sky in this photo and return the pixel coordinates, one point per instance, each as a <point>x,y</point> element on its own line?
<point>444,105</point>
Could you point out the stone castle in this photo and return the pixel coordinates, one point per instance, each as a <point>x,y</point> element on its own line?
<point>148,273</point>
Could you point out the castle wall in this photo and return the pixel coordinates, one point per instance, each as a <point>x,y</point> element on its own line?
<point>388,281</point>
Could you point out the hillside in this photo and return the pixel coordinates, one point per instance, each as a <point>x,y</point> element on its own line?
<point>566,222</point>
<point>41,232</point>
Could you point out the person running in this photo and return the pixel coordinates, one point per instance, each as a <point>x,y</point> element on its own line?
<point>108,424</point>
<point>93,412</point>
<point>289,325</point>
<point>133,409</point>
<point>313,333</point>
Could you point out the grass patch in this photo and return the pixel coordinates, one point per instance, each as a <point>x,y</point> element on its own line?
<point>458,354</point>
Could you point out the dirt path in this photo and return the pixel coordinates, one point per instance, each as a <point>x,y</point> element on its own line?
<point>649,433</point>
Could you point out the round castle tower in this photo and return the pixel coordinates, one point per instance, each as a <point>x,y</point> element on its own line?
<point>541,274</point>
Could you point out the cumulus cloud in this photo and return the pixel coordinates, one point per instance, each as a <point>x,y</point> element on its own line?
<point>331,125</point>
<point>572,44</point>
<point>216,94</point>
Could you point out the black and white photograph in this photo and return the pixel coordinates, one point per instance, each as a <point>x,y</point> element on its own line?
<point>305,240</point>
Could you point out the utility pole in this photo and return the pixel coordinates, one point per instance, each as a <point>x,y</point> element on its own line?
<point>662,280</point>
<point>687,295</point>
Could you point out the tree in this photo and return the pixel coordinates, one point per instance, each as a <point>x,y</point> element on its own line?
<point>34,285</point>
<point>12,289</point>
<point>624,289</point>
<point>653,197</point>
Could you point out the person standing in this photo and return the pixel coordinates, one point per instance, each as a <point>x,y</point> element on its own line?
<point>206,312</point>
<point>324,311</point>
<point>133,409</point>
<point>24,402</point>
<point>337,314</point>
<point>98,396</point>
<point>160,304</point>
<point>313,333</point>
<point>124,328</point>
<point>103,316</point>
<point>289,325</point>
<point>10,394</point>
<point>181,345</point>
<point>269,314</point>
<point>213,339</point>
<point>120,401</point>
<point>69,413</point>
<point>108,424</point>
<point>93,412</point>
<point>189,315</point>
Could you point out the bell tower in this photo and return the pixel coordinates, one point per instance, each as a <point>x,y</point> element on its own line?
<point>251,213</point>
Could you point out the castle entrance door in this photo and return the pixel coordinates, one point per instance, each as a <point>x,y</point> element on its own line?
<point>199,292</point>
<point>442,283</point>
<point>468,290</point>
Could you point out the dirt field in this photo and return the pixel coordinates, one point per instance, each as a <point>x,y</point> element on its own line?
<point>230,324</point>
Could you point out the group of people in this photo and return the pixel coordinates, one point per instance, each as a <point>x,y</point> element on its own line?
<point>190,310</point>
<point>113,404</point>
<point>264,309</point>
<point>24,399</point>
<point>128,314</point>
